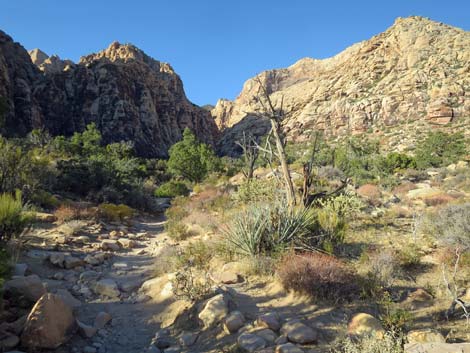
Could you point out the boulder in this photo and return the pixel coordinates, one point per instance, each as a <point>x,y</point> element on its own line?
<point>214,311</point>
<point>364,324</point>
<point>269,320</point>
<point>187,339</point>
<point>425,336</point>
<point>250,342</point>
<point>29,287</point>
<point>68,298</point>
<point>288,348</point>
<point>233,322</point>
<point>107,287</point>
<point>437,348</point>
<point>20,269</point>
<point>298,332</point>
<point>49,324</point>
<point>267,334</point>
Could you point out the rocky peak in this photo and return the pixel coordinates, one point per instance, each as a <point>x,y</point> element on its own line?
<point>415,71</point>
<point>125,53</point>
<point>37,56</point>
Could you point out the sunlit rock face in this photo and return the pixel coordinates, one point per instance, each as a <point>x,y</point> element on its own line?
<point>416,71</point>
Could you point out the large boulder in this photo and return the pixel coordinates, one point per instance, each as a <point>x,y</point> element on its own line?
<point>214,311</point>
<point>30,287</point>
<point>425,336</point>
<point>49,324</point>
<point>364,324</point>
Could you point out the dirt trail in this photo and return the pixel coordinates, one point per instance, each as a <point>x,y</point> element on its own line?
<point>133,324</point>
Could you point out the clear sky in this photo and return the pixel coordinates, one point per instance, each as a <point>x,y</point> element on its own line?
<point>214,45</point>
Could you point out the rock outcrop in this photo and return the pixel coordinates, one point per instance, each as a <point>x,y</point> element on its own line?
<point>126,93</point>
<point>417,70</point>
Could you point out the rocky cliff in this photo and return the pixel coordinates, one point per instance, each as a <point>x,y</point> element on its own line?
<point>416,71</point>
<point>129,96</point>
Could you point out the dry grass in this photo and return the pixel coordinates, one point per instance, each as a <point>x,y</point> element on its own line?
<point>66,213</point>
<point>320,276</point>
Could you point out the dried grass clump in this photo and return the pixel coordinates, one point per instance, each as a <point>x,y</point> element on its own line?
<point>320,276</point>
<point>387,344</point>
<point>66,213</point>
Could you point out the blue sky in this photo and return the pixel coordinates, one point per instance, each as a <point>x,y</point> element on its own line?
<point>214,45</point>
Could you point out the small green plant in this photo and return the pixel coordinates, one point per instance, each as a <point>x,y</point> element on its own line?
<point>172,188</point>
<point>394,319</point>
<point>257,190</point>
<point>12,218</point>
<point>114,212</point>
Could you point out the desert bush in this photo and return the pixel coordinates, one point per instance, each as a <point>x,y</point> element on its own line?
<point>387,344</point>
<point>382,269</point>
<point>403,188</point>
<point>65,213</point>
<point>395,161</point>
<point>344,205</point>
<point>12,218</point>
<point>323,277</point>
<point>44,199</point>
<point>409,256</point>
<point>257,190</point>
<point>112,212</point>
<point>437,200</point>
<point>172,188</point>
<point>450,225</point>
<point>439,149</point>
<point>189,286</point>
<point>394,319</point>
<point>191,159</point>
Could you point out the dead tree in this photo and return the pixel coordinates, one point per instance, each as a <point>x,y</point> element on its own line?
<point>308,173</point>
<point>250,154</point>
<point>276,117</point>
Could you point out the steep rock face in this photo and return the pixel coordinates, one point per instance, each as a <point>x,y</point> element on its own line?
<point>129,96</point>
<point>417,70</point>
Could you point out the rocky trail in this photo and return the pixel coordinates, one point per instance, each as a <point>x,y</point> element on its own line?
<point>97,269</point>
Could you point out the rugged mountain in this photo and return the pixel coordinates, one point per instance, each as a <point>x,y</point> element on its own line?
<point>416,71</point>
<point>129,96</point>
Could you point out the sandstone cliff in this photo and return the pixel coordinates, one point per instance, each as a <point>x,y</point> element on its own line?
<point>416,71</point>
<point>129,96</point>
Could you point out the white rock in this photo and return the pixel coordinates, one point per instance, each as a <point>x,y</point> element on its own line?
<point>214,311</point>
<point>107,287</point>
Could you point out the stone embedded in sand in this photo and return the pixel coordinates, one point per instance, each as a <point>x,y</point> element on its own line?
<point>288,348</point>
<point>298,332</point>
<point>111,245</point>
<point>72,262</point>
<point>107,287</point>
<point>68,298</point>
<point>30,287</point>
<point>102,319</point>
<point>437,348</point>
<point>269,320</point>
<point>364,324</point>
<point>214,311</point>
<point>86,330</point>
<point>187,339</point>
<point>267,334</point>
<point>127,243</point>
<point>95,259</point>
<point>57,259</point>
<point>425,336</point>
<point>49,324</point>
<point>233,322</point>
<point>250,342</point>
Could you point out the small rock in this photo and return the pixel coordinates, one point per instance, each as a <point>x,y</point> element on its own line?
<point>214,311</point>
<point>233,322</point>
<point>107,288</point>
<point>20,269</point>
<point>50,323</point>
<point>58,276</point>
<point>82,239</point>
<point>187,339</point>
<point>250,342</point>
<point>86,330</point>
<point>153,349</point>
<point>425,336</point>
<point>111,245</point>
<point>89,349</point>
<point>298,332</point>
<point>30,287</point>
<point>96,259</point>
<point>9,342</point>
<point>363,324</point>
<point>130,286</point>
<point>57,259</point>
<point>267,334</point>
<point>88,276</point>
<point>101,320</point>
<point>288,348</point>
<point>68,298</point>
<point>127,243</point>
<point>281,340</point>
<point>72,262</point>
<point>174,349</point>
<point>269,320</point>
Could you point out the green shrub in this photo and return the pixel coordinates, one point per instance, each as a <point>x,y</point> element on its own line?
<point>12,218</point>
<point>192,159</point>
<point>440,149</point>
<point>172,188</point>
<point>397,161</point>
<point>257,190</point>
<point>114,212</point>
